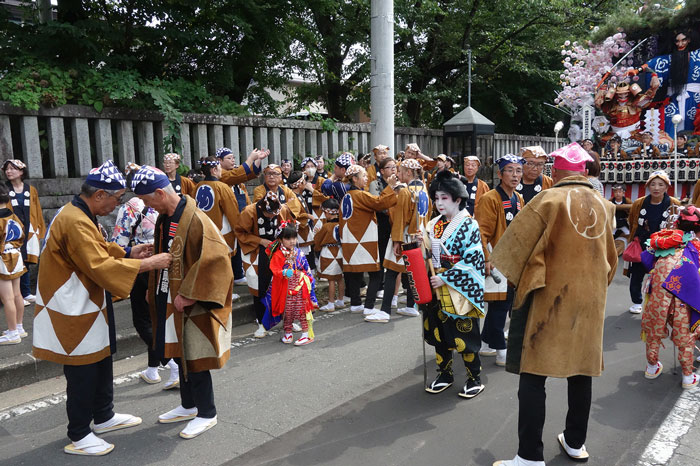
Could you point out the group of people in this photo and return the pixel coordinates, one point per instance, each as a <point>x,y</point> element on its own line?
<point>174,250</point>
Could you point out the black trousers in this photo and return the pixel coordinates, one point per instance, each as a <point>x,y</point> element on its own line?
<point>353,283</point>
<point>495,322</point>
<point>636,273</point>
<point>264,279</point>
<point>237,265</point>
<point>197,392</point>
<point>90,392</point>
<point>390,286</point>
<point>141,317</point>
<point>531,396</point>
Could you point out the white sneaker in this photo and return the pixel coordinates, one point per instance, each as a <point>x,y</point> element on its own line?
<point>118,421</point>
<point>26,303</point>
<point>408,311</point>
<point>30,297</point>
<point>369,312</point>
<point>346,299</point>
<point>339,303</point>
<point>296,327</point>
<point>330,307</point>
<point>22,333</point>
<point>380,294</point>
<point>501,357</point>
<point>636,309</point>
<point>380,317</point>
<point>357,309</point>
<point>240,281</point>
<point>177,415</point>
<point>395,302</point>
<point>260,332</point>
<point>235,297</point>
<point>197,426</point>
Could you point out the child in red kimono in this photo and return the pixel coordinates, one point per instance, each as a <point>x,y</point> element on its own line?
<point>292,290</point>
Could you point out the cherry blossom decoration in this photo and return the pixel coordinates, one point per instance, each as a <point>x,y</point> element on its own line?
<point>600,124</point>
<point>585,66</point>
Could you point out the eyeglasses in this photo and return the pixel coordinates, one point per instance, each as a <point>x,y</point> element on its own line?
<point>120,198</point>
<point>535,164</point>
<point>513,171</point>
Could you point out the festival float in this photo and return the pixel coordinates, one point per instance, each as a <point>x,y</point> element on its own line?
<point>637,101</point>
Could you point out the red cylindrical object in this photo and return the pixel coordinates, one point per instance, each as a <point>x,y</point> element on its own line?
<point>417,274</point>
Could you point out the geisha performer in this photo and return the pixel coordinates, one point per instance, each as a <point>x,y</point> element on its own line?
<point>673,298</point>
<point>451,320</point>
<point>292,291</point>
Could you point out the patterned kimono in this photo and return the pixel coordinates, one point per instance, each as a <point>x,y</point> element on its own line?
<point>11,232</point>
<point>672,297</point>
<point>451,320</point>
<point>295,296</point>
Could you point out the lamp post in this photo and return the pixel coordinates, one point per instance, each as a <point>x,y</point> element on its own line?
<point>677,120</point>
<point>558,127</point>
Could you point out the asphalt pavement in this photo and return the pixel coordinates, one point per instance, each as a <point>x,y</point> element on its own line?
<point>355,397</point>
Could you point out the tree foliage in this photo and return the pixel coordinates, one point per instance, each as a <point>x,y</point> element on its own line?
<point>213,56</point>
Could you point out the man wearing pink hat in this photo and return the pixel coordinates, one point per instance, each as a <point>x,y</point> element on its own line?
<point>556,327</point>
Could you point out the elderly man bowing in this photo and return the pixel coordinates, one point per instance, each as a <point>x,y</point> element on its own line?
<point>560,254</point>
<point>73,320</point>
<point>190,302</point>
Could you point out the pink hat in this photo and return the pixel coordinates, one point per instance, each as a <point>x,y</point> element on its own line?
<point>571,158</point>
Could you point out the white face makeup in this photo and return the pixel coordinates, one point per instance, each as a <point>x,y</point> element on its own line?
<point>445,205</point>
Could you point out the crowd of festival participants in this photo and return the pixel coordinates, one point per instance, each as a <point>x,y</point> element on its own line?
<point>180,243</point>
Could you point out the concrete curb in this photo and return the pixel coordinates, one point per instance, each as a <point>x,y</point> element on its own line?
<point>23,369</point>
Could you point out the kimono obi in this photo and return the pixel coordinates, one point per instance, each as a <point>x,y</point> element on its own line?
<point>448,260</point>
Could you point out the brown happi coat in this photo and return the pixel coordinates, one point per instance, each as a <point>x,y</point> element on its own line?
<point>358,228</point>
<point>219,203</point>
<point>492,225</point>
<point>77,266</point>
<point>330,257</point>
<point>406,219</point>
<point>560,254</point>
<point>37,226</point>
<point>201,271</point>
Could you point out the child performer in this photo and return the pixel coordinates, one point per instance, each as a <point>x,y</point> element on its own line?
<point>674,294</point>
<point>327,243</point>
<point>11,269</point>
<point>293,290</point>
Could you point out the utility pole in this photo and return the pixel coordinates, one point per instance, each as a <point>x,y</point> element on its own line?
<point>382,74</point>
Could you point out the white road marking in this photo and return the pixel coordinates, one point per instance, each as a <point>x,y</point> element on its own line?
<point>675,426</point>
<point>59,398</point>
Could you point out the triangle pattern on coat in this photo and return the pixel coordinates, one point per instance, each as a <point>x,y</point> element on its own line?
<point>80,325</point>
<point>72,298</point>
<point>94,340</point>
<point>43,334</point>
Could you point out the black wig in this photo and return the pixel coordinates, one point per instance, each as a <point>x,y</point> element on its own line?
<point>446,182</point>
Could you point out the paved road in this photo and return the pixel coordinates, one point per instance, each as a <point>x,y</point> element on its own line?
<point>355,397</point>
